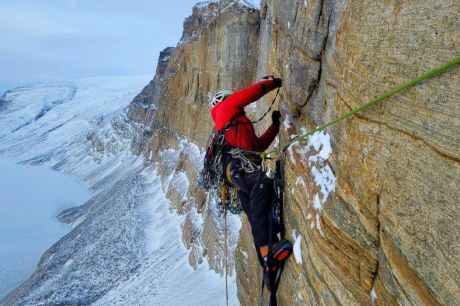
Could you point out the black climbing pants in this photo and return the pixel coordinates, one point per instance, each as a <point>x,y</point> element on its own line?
<point>255,193</point>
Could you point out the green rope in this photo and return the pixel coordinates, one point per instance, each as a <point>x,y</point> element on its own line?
<point>368,104</point>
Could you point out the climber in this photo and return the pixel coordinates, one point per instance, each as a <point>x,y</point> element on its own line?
<point>243,167</point>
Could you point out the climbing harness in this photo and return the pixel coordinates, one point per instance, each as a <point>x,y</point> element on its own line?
<point>392,92</point>
<point>250,161</point>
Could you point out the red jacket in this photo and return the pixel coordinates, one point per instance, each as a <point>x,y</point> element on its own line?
<point>242,134</point>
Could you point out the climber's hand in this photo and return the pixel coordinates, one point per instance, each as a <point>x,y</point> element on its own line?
<point>278,82</point>
<point>276,115</point>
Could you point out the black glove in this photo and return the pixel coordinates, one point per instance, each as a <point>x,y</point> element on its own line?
<point>278,82</point>
<point>276,115</point>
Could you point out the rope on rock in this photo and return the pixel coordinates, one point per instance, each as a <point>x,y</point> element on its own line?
<point>366,105</point>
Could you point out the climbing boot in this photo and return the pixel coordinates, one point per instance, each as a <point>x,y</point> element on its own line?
<point>281,252</point>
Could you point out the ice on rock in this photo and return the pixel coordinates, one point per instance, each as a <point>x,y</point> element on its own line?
<point>300,181</point>
<point>324,179</point>
<point>321,143</point>
<point>287,122</point>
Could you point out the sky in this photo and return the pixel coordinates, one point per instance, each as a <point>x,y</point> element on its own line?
<point>55,40</point>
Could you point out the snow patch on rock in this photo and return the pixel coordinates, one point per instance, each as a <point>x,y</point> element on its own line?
<point>287,122</point>
<point>297,247</point>
<point>314,155</point>
<point>373,295</point>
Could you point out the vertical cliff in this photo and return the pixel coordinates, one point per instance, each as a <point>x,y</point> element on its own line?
<point>371,203</point>
<point>389,232</point>
<point>218,49</point>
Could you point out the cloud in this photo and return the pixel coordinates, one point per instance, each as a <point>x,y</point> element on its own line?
<point>57,40</point>
<point>17,22</point>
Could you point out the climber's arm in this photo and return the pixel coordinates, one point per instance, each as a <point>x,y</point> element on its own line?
<point>264,141</point>
<point>252,93</point>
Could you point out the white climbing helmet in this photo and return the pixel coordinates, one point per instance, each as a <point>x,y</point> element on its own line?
<point>219,97</point>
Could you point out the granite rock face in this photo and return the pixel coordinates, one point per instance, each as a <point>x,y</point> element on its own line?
<point>389,232</point>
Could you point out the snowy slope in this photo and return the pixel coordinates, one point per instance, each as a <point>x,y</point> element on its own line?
<point>57,123</point>
<point>125,246</point>
<point>166,278</point>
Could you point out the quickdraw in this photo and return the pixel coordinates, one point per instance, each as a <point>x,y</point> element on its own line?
<point>229,200</point>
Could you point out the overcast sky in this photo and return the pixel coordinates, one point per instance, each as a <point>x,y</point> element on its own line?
<point>48,40</point>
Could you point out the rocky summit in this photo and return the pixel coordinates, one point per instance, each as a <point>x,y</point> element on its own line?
<point>371,203</point>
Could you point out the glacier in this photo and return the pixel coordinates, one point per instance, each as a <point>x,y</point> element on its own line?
<point>125,245</point>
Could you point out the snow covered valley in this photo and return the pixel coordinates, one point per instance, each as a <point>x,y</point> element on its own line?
<point>32,196</point>
<point>123,246</point>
